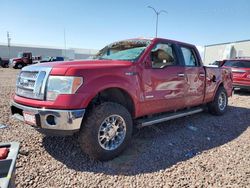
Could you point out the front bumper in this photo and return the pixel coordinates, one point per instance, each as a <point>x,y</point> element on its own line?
<point>52,121</point>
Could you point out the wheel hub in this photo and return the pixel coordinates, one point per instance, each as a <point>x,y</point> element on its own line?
<point>112,132</point>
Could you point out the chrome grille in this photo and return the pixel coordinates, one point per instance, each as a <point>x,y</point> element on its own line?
<point>29,75</point>
<point>31,82</point>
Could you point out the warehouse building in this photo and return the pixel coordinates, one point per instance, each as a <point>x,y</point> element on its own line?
<point>237,49</point>
<point>70,53</point>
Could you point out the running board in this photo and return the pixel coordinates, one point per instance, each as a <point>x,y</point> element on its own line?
<point>167,117</point>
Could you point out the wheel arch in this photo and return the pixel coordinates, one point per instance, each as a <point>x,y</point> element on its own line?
<point>221,84</point>
<point>113,94</point>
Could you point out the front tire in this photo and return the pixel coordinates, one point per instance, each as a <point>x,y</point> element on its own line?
<point>19,66</point>
<point>219,105</point>
<point>106,131</point>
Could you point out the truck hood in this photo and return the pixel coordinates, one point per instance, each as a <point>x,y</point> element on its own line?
<point>61,67</point>
<point>16,59</point>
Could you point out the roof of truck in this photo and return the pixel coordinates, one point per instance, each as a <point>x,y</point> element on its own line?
<point>157,38</point>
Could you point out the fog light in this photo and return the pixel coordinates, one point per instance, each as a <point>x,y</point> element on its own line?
<point>51,120</point>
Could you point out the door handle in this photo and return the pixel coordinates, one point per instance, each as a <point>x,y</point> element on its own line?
<point>181,75</point>
<point>202,74</point>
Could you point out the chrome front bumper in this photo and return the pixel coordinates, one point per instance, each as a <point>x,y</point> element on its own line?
<point>64,120</point>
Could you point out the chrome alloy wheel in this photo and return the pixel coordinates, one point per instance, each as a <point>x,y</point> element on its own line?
<point>112,132</point>
<point>222,101</point>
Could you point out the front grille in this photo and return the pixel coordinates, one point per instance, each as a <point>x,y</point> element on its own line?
<point>31,82</point>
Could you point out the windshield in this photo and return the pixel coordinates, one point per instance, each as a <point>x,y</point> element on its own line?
<point>46,59</point>
<point>20,55</point>
<point>129,50</point>
<point>237,64</point>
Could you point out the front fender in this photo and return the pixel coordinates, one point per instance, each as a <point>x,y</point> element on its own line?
<point>92,87</point>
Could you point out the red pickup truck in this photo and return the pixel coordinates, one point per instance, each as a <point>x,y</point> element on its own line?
<point>131,83</point>
<point>24,59</point>
<point>240,71</point>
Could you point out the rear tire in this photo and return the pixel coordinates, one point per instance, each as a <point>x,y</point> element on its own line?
<point>219,105</point>
<point>106,131</point>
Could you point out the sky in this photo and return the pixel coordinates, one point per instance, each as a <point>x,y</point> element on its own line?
<point>95,23</point>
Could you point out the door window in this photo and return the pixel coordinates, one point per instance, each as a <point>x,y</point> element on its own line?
<point>189,57</point>
<point>162,56</point>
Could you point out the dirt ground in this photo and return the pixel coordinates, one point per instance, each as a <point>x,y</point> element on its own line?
<point>196,151</point>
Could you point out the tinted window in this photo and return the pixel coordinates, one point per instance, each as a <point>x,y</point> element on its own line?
<point>59,59</point>
<point>25,55</point>
<point>237,64</point>
<point>162,56</point>
<point>189,57</point>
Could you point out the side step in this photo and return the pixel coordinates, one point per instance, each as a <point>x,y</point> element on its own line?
<point>167,117</point>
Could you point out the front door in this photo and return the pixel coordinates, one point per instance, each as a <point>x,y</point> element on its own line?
<point>164,82</point>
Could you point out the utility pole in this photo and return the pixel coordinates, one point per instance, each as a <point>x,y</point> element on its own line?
<point>157,15</point>
<point>64,43</point>
<point>8,39</point>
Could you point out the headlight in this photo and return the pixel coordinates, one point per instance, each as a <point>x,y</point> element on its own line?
<point>62,85</point>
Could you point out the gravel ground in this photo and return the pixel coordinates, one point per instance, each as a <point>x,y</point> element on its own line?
<point>197,151</point>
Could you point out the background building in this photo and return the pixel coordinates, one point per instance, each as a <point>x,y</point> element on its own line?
<point>70,53</point>
<point>226,51</point>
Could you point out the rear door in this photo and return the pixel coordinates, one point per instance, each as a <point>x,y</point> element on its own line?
<point>195,76</point>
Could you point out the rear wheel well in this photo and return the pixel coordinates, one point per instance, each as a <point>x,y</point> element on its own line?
<point>221,85</point>
<point>115,95</point>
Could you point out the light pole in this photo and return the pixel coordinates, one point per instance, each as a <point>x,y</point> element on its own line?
<point>157,14</point>
<point>64,35</point>
<point>8,39</point>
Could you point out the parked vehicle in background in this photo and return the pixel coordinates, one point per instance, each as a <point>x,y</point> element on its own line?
<point>4,62</point>
<point>24,59</point>
<point>51,59</point>
<point>36,59</point>
<point>128,84</point>
<point>241,72</point>
<point>217,63</point>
